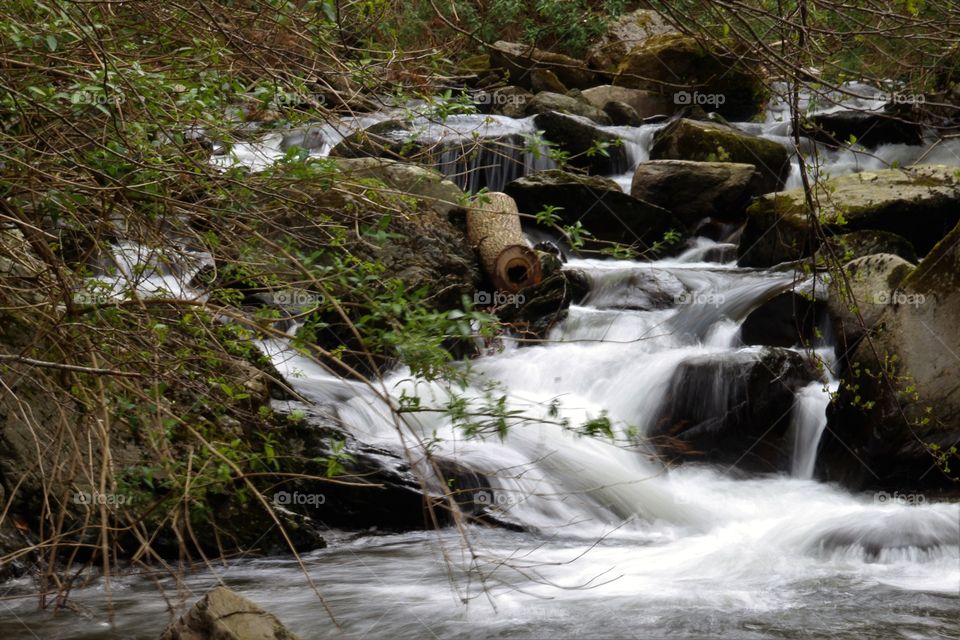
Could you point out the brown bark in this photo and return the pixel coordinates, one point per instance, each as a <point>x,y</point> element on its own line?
<point>493,228</point>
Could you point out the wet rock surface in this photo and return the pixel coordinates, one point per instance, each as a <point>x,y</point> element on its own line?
<point>920,204</point>
<point>732,410</point>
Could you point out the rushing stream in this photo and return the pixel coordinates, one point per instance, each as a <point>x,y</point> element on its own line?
<point>614,544</point>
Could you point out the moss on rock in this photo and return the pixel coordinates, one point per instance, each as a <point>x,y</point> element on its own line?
<point>921,204</point>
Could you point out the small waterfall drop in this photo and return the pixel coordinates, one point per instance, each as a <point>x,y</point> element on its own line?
<point>809,419</point>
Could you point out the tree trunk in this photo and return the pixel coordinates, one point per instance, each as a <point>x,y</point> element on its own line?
<point>493,228</point>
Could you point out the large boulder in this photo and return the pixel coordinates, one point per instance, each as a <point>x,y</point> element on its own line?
<point>518,60</point>
<point>705,141</point>
<point>720,80</point>
<point>421,182</point>
<point>869,128</point>
<point>861,291</point>
<point>732,409</point>
<point>387,139</point>
<point>840,249</point>
<point>309,138</point>
<point>598,204</point>
<point>546,101</point>
<point>546,80</point>
<point>622,114</point>
<point>623,34</point>
<point>223,614</point>
<point>646,103</point>
<point>788,319</point>
<point>507,101</point>
<point>540,307</point>
<point>899,403</point>
<point>579,138</point>
<point>921,204</point>
<point>698,190</point>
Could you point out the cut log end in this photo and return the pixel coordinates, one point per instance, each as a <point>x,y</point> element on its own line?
<point>517,267</point>
<point>494,230</point>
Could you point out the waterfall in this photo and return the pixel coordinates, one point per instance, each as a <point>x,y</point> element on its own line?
<point>615,541</point>
<point>809,419</point>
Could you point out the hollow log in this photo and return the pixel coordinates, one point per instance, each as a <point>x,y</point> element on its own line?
<point>493,229</point>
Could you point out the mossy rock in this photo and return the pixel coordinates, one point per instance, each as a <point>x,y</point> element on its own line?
<point>900,391</point>
<point>388,139</point>
<point>698,190</point>
<point>857,244</point>
<point>660,61</point>
<point>706,141</point>
<point>625,33</point>
<point>599,205</point>
<point>861,291</point>
<point>578,137</point>
<point>547,101</point>
<point>921,204</point>
<point>517,60</point>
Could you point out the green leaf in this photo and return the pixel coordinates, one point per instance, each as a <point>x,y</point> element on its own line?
<point>52,42</point>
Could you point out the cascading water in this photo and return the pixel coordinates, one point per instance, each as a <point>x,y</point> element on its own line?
<point>613,542</point>
<point>809,421</point>
<point>616,545</point>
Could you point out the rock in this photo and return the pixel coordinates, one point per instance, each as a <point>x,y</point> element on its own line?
<point>703,141</point>
<point>518,60</point>
<point>598,203</point>
<point>900,392</point>
<point>427,184</point>
<point>636,290</point>
<point>698,190</point>
<point>223,614</point>
<point>786,320</point>
<point>387,139</point>
<point>871,129</point>
<point>309,138</point>
<point>623,34</point>
<point>839,249</point>
<point>546,80</point>
<point>720,80</point>
<point>508,101</point>
<point>545,304</point>
<point>866,284</point>
<point>622,114</point>
<point>578,137</point>
<point>545,102</point>
<point>721,253</point>
<point>646,103</point>
<point>921,204</point>
<point>11,541</point>
<point>732,409</point>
